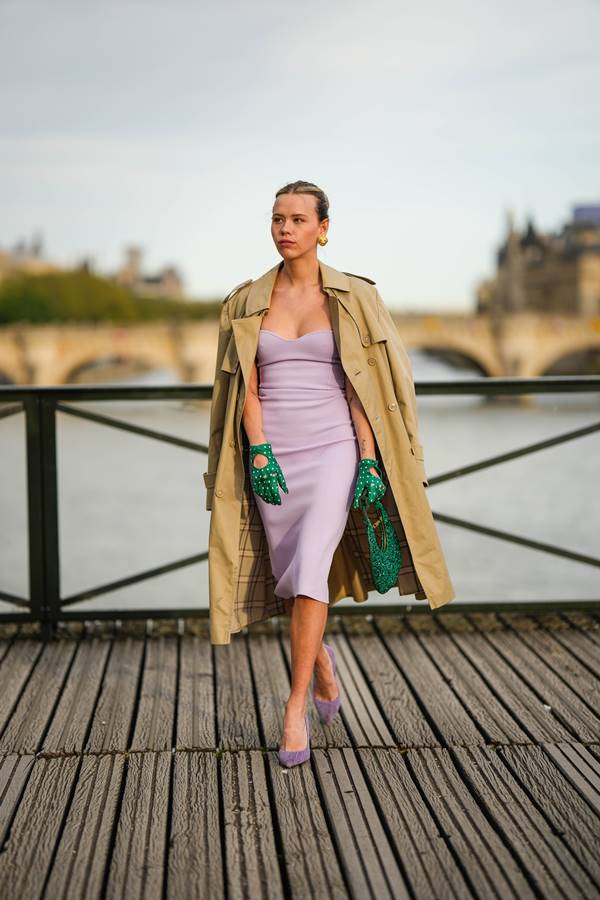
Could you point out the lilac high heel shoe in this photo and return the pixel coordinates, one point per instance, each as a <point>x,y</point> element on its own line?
<point>295,757</point>
<point>328,709</point>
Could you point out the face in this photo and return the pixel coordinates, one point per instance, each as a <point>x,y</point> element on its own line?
<point>295,226</point>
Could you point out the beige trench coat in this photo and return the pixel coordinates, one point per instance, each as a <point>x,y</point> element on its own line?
<point>376,363</point>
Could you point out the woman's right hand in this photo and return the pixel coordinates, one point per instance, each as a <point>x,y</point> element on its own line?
<point>266,478</point>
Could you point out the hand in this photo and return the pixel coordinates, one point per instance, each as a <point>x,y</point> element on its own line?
<point>268,478</point>
<point>368,482</point>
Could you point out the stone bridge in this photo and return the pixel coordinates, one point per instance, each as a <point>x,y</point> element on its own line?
<point>521,345</point>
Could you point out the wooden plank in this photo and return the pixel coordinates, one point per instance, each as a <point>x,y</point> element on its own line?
<point>18,662</point>
<point>251,858</point>
<point>196,726</point>
<point>155,713</point>
<point>14,773</point>
<point>268,665</point>
<point>491,721</point>
<point>308,852</point>
<point>238,726</point>
<point>336,734</point>
<point>424,854</point>
<point>440,710</point>
<point>551,867</point>
<point>557,650</point>
<point>387,683</point>
<point>4,651</point>
<point>581,767</point>
<point>195,866</point>
<point>561,804</point>
<point>584,621</point>
<point>487,863</point>
<point>116,703</point>
<point>85,844</point>
<point>136,867</point>
<point>75,710</point>
<point>360,707</point>
<point>536,670</point>
<point>504,681</point>
<point>28,851</point>
<point>29,718</point>
<point>366,856</point>
<point>587,653</point>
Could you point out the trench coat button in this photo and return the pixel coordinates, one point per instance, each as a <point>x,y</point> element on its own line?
<point>366,338</point>
<point>371,360</point>
<point>232,443</point>
<point>219,492</point>
<point>392,405</point>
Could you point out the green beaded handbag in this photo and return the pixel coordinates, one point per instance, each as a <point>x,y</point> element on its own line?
<point>385,557</point>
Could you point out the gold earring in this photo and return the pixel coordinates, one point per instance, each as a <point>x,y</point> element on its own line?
<point>323,240</point>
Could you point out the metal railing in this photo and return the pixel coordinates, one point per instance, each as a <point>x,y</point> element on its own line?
<point>41,404</point>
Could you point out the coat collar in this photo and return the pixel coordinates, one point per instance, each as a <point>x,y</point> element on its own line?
<point>259,295</point>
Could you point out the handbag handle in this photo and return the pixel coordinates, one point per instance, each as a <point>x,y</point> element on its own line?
<point>381,521</point>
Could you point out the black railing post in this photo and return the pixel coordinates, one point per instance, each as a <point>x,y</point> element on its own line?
<point>42,503</point>
<point>35,534</point>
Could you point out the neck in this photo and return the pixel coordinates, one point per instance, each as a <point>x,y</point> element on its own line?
<point>301,272</point>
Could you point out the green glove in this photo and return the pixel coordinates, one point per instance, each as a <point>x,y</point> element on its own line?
<point>267,480</point>
<point>366,481</point>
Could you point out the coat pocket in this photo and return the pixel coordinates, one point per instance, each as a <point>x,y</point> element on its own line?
<point>209,482</point>
<point>231,360</point>
<point>418,454</point>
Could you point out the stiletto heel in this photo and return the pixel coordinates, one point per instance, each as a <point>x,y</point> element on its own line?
<point>328,709</point>
<point>295,757</point>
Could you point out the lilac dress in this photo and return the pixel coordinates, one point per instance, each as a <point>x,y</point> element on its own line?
<point>307,420</point>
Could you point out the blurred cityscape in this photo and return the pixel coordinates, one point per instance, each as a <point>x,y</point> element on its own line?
<point>28,259</point>
<point>537,314</point>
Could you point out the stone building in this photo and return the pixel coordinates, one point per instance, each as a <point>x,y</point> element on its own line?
<point>166,283</point>
<point>25,258</point>
<point>547,273</point>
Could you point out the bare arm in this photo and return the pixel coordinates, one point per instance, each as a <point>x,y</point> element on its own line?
<point>362,427</point>
<point>252,417</point>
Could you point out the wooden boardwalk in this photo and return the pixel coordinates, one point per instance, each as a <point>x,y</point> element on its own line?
<point>142,762</point>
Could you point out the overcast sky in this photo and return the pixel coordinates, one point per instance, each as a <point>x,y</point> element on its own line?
<point>172,125</point>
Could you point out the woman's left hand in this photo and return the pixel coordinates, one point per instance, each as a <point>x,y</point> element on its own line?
<point>369,482</point>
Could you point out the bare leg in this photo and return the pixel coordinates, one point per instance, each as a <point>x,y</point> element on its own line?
<point>309,617</point>
<point>325,683</point>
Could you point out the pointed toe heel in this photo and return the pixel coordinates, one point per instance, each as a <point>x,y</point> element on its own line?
<point>291,758</point>
<point>328,709</point>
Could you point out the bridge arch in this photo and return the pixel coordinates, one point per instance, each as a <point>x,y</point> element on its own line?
<point>546,361</point>
<point>95,360</point>
<point>455,357</point>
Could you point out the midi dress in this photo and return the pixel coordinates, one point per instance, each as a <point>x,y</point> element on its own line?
<point>307,421</point>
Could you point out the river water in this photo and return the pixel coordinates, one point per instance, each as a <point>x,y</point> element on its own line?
<point>129,503</point>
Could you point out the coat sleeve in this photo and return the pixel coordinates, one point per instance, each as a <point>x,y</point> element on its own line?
<point>403,381</point>
<point>218,405</point>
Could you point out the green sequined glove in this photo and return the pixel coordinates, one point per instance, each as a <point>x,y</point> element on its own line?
<point>366,481</point>
<point>267,480</point>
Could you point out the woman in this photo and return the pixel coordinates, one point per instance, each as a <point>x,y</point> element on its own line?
<point>312,451</point>
<point>327,401</point>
